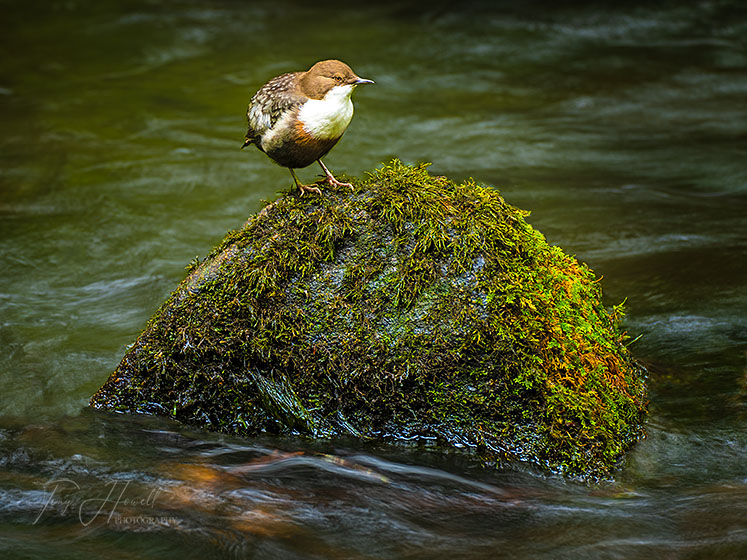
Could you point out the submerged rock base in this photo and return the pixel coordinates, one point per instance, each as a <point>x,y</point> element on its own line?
<point>412,308</point>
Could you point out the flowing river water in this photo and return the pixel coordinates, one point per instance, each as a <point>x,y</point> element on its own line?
<point>623,129</point>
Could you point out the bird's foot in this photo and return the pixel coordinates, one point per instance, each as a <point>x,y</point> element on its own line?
<point>335,183</point>
<point>331,178</point>
<point>301,187</point>
<point>308,188</point>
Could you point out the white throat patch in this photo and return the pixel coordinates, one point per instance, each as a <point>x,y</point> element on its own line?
<point>328,117</point>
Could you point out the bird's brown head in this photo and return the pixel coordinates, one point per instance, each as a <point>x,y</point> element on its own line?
<point>327,74</point>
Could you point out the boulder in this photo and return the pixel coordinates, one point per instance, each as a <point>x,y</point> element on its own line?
<point>411,309</point>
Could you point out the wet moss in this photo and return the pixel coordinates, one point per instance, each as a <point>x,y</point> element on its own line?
<point>412,308</point>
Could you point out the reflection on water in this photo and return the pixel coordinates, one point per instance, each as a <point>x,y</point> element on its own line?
<point>623,130</point>
<point>150,486</point>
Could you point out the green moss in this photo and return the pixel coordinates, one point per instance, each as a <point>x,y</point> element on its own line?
<point>411,308</point>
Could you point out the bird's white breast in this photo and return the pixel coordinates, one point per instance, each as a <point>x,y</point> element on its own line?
<point>328,117</point>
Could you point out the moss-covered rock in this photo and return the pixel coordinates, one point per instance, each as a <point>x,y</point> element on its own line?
<point>412,309</point>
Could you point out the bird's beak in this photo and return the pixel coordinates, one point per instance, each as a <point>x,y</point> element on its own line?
<point>360,81</point>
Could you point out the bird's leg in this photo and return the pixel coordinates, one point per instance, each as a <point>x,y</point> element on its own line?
<point>301,187</point>
<point>331,179</point>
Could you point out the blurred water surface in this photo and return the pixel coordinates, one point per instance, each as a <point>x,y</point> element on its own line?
<point>623,130</point>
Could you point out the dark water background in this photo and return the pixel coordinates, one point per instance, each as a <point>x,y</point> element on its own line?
<point>622,128</point>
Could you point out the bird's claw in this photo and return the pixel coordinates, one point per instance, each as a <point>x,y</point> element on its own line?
<point>335,183</point>
<point>308,188</point>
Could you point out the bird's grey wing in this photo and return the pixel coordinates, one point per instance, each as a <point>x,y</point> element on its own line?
<point>269,104</point>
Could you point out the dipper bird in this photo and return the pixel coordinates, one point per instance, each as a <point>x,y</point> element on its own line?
<point>297,118</point>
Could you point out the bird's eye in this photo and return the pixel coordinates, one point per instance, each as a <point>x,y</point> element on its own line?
<point>337,78</point>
